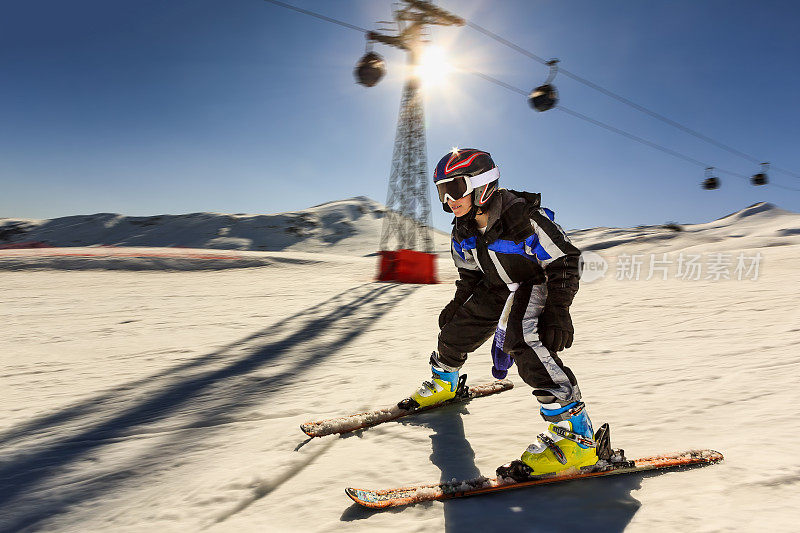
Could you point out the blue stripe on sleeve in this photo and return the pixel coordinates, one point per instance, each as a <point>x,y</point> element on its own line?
<point>460,247</point>
<point>539,251</point>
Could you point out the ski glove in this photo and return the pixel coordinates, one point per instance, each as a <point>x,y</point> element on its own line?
<point>448,313</point>
<point>555,328</point>
<point>501,361</point>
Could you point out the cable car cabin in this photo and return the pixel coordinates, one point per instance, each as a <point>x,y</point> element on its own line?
<point>370,69</point>
<point>543,98</point>
<point>711,183</point>
<point>759,179</point>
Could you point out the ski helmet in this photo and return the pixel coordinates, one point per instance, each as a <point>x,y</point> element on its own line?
<point>466,171</point>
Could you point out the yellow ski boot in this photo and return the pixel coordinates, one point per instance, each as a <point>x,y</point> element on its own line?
<point>442,387</point>
<point>568,442</point>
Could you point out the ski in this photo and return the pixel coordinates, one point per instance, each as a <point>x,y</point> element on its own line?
<point>346,424</point>
<point>379,499</point>
<point>516,475</point>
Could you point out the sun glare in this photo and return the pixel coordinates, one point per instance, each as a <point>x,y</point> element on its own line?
<point>433,67</point>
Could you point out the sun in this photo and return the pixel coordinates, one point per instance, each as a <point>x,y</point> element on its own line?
<point>433,67</point>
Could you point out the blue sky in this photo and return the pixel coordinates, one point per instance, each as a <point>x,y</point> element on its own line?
<point>153,107</point>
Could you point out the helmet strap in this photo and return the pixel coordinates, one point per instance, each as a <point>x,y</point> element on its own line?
<point>470,215</point>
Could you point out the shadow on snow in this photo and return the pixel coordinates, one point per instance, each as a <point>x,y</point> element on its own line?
<point>592,504</point>
<point>211,396</point>
<point>100,403</point>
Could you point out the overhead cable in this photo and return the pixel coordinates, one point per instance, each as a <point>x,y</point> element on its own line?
<point>624,100</point>
<point>621,132</point>
<point>571,112</point>
<point>318,15</point>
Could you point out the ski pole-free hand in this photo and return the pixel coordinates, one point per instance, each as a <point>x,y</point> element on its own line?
<point>555,328</point>
<point>448,313</point>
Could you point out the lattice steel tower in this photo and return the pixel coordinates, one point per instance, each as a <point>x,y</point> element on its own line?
<point>408,209</point>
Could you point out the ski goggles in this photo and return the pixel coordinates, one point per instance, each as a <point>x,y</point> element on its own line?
<point>458,187</point>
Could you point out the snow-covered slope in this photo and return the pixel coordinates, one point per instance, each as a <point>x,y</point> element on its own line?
<point>170,401</point>
<point>759,225</point>
<point>349,227</point>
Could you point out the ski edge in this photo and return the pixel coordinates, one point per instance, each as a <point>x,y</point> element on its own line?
<point>338,425</point>
<point>433,492</point>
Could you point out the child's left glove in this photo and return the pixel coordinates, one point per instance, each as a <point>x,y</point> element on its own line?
<point>555,328</point>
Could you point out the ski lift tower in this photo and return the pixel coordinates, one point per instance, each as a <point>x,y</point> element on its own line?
<point>406,246</point>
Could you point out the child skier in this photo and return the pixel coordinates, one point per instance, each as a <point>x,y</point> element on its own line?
<point>518,275</point>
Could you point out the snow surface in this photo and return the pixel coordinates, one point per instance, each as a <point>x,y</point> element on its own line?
<point>170,399</point>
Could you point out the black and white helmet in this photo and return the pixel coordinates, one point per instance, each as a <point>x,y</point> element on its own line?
<point>466,171</point>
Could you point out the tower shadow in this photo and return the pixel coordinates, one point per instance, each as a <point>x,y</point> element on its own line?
<point>188,396</point>
<point>97,406</point>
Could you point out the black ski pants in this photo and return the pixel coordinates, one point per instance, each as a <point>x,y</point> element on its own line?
<point>477,320</point>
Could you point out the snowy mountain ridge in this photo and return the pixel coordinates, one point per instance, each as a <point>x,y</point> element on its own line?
<point>759,225</point>
<point>352,227</point>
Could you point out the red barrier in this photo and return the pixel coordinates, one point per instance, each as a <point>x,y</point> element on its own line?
<point>407,266</point>
<point>26,244</point>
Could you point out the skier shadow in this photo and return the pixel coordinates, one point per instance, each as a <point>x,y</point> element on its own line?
<point>201,398</point>
<point>451,452</point>
<point>591,504</point>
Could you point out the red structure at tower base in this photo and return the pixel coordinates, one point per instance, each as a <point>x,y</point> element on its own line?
<point>407,266</point>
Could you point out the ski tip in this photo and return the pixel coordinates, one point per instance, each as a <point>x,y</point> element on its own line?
<point>705,456</point>
<point>368,499</point>
<point>351,492</point>
<point>713,456</point>
<point>689,458</point>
